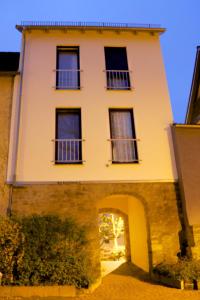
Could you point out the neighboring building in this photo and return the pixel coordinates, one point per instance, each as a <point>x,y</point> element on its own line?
<point>187,149</point>
<point>9,63</point>
<point>90,133</point>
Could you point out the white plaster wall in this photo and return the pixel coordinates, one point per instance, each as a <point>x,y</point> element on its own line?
<point>149,100</point>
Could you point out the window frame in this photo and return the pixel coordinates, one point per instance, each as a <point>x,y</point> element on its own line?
<point>68,48</point>
<point>111,74</point>
<point>72,110</point>
<point>133,134</point>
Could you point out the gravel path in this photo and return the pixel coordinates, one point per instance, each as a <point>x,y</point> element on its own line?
<point>129,283</point>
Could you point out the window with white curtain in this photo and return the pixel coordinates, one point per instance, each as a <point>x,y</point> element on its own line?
<point>123,139</point>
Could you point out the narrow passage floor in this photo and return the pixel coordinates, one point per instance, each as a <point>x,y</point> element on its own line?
<point>130,283</point>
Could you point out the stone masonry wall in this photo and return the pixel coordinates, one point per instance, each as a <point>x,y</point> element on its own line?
<point>196,247</point>
<point>6,88</point>
<point>79,200</point>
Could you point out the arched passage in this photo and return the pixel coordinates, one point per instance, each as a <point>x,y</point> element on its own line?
<point>133,208</point>
<point>113,226</point>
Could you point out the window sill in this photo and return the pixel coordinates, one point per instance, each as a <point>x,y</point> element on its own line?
<point>119,89</point>
<point>68,163</point>
<point>67,89</point>
<point>125,162</point>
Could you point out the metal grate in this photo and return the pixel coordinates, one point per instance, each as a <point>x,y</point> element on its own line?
<point>118,80</point>
<point>124,150</point>
<point>68,79</point>
<point>68,151</point>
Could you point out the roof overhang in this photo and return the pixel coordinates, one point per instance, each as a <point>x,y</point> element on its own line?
<point>186,126</point>
<point>194,86</point>
<point>8,73</point>
<point>103,26</point>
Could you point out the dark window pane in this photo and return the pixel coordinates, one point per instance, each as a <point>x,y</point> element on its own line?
<point>116,58</point>
<point>68,126</point>
<point>68,60</point>
<point>68,136</point>
<point>68,74</point>
<point>117,68</point>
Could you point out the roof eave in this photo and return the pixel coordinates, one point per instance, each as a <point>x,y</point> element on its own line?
<point>158,30</point>
<point>194,85</point>
<point>9,73</point>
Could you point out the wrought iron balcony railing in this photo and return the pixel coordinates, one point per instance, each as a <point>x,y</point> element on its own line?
<point>68,151</point>
<point>68,79</point>
<point>124,150</point>
<point>118,79</point>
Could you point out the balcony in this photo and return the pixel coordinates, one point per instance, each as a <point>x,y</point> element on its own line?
<point>68,151</point>
<point>124,150</point>
<point>118,79</point>
<point>68,79</point>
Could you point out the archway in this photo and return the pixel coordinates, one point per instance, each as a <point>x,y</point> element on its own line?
<point>114,234</point>
<point>132,211</point>
<point>114,239</point>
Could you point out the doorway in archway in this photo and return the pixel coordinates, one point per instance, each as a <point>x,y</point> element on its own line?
<point>112,230</point>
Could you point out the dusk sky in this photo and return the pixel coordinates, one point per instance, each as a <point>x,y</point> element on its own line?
<point>179,17</point>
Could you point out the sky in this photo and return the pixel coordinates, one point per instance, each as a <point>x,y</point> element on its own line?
<point>181,18</point>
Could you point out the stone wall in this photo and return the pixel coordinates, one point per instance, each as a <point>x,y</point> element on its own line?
<point>79,200</point>
<point>6,84</point>
<point>196,236</point>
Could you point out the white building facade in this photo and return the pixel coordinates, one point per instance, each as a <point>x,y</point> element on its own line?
<point>91,118</point>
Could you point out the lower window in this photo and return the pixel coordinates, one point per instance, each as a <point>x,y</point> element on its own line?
<point>68,142</point>
<point>123,138</point>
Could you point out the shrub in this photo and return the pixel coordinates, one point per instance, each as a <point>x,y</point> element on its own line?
<point>11,249</point>
<point>49,251</point>
<point>186,269</point>
<point>54,252</point>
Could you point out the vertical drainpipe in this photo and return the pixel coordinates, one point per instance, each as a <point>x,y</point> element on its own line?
<point>17,126</point>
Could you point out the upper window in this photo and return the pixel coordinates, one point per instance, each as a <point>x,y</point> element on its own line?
<point>68,142</point>
<point>68,69</point>
<point>123,138</point>
<point>117,72</point>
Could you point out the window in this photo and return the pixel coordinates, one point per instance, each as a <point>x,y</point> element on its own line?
<point>117,72</point>
<point>68,69</point>
<point>68,143</point>
<point>123,139</point>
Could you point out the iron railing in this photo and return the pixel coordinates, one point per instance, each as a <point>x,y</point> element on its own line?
<point>87,24</point>
<point>118,79</point>
<point>124,150</point>
<point>68,79</point>
<point>68,151</point>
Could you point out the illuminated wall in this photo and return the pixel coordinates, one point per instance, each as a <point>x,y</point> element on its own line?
<point>149,100</point>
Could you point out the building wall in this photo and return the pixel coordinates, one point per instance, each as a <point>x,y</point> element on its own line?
<point>151,208</point>
<point>187,149</point>
<point>187,145</point>
<point>195,115</point>
<point>6,88</point>
<point>149,99</point>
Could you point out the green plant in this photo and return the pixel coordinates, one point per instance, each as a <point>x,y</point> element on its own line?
<point>11,249</point>
<point>44,250</point>
<point>54,252</point>
<point>184,269</point>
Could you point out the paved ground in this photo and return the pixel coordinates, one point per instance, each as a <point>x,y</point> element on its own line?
<point>128,283</point>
